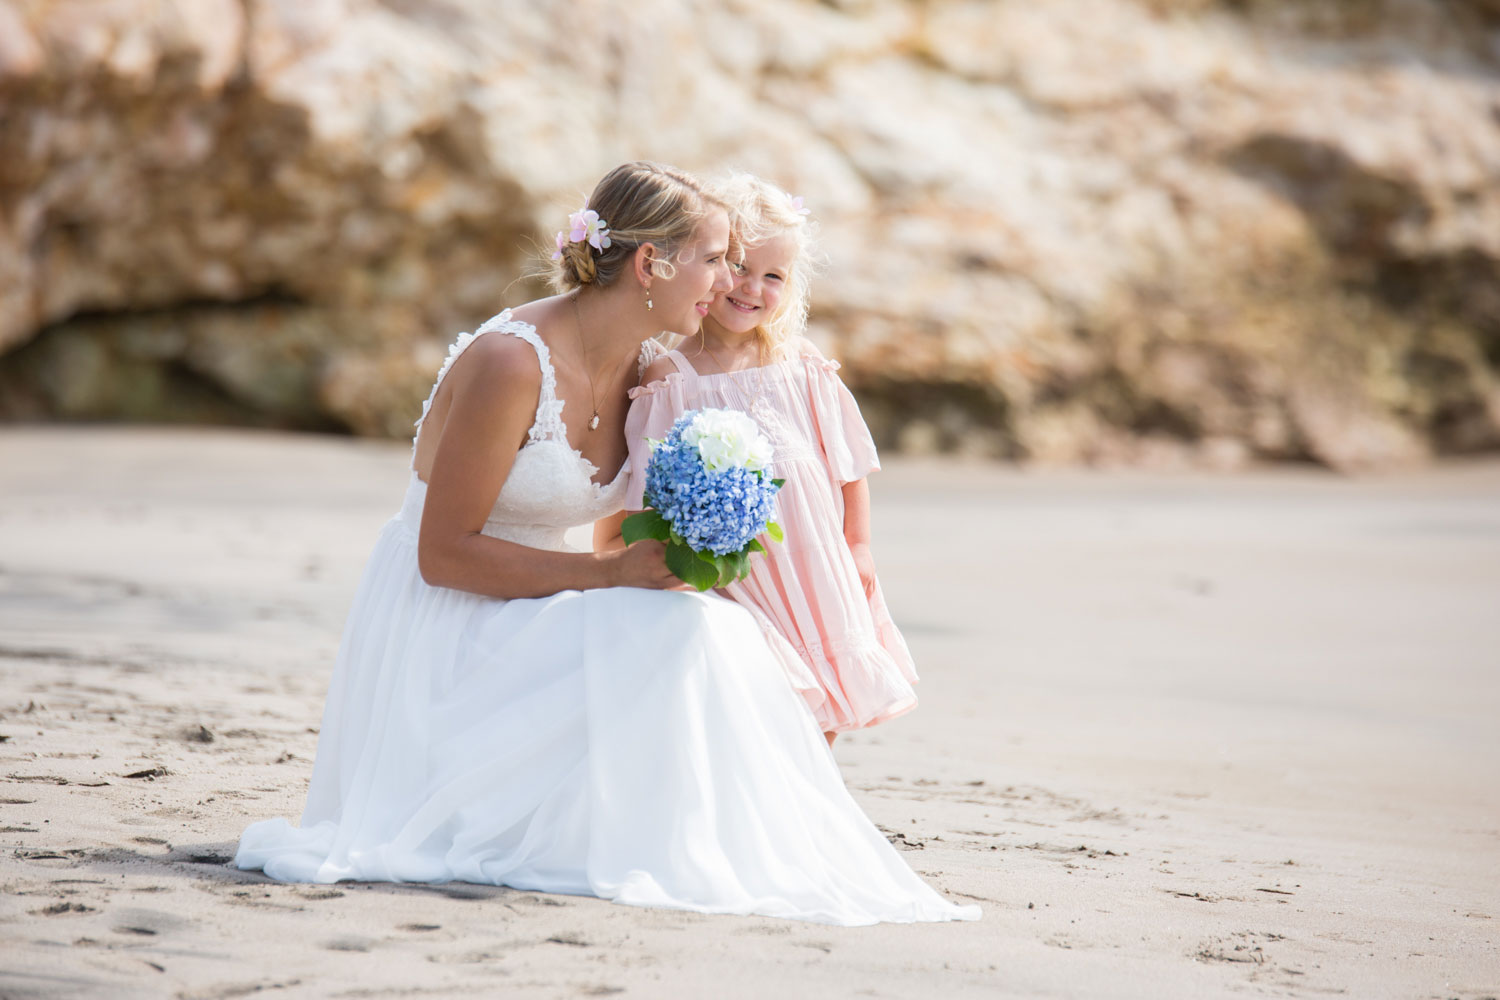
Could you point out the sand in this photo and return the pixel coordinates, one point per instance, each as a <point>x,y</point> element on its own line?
<point>1180,736</point>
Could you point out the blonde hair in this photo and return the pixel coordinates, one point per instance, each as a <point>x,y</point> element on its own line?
<point>641,202</point>
<point>760,211</point>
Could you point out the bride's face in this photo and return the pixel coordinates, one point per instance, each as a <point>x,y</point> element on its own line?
<point>702,271</point>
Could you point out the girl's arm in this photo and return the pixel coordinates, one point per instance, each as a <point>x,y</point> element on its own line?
<point>607,532</point>
<point>857,531</point>
<point>850,452</point>
<point>491,392</point>
<point>649,416</point>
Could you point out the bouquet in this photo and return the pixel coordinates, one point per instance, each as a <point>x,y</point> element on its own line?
<point>709,496</point>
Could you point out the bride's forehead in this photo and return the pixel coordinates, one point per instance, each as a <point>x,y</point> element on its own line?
<point>714,229</point>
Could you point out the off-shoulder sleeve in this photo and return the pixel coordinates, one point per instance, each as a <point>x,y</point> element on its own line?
<point>845,437</point>
<point>653,410</point>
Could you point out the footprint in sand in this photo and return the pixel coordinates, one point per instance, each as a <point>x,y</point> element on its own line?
<point>472,892</point>
<point>316,894</point>
<point>145,923</point>
<point>571,939</point>
<point>230,991</point>
<point>1240,948</point>
<point>477,957</point>
<point>541,901</point>
<point>771,929</point>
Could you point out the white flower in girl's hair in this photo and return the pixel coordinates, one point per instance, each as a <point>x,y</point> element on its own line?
<point>728,439</point>
<point>796,203</point>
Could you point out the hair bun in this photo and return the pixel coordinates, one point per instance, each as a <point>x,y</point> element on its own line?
<point>580,261</point>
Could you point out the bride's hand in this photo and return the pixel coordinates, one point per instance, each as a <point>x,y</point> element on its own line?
<point>643,564</point>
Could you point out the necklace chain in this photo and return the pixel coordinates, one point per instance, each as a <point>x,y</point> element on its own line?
<point>583,348</point>
<point>759,378</point>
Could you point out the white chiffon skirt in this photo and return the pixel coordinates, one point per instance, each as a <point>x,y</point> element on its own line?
<point>640,746</point>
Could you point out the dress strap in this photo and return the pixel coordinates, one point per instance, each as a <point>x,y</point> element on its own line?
<point>683,365</point>
<point>548,422</point>
<point>548,425</point>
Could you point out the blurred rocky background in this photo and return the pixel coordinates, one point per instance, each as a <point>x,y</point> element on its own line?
<point>1164,232</point>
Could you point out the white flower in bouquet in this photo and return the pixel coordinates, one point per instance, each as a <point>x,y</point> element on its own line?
<point>728,439</point>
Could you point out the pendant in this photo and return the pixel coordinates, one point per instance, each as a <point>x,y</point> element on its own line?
<point>594,423</point>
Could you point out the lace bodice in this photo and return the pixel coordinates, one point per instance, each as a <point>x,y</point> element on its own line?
<point>550,487</point>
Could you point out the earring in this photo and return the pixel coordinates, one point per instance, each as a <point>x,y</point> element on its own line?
<point>648,300</point>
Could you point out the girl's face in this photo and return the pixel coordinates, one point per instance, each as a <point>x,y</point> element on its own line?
<point>759,281</point>
<point>702,271</point>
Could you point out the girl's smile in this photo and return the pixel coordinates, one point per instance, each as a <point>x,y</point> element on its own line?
<point>759,281</point>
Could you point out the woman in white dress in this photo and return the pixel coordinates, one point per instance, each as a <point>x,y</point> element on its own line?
<point>504,710</point>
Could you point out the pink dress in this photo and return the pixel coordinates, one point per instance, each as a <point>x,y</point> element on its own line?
<point>854,669</point>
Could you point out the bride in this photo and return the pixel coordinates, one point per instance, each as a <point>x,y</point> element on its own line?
<point>504,710</point>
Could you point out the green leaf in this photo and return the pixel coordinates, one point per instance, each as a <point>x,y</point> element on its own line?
<point>646,524</point>
<point>774,530</point>
<point>754,546</point>
<point>778,483</point>
<point>728,570</point>
<point>685,564</point>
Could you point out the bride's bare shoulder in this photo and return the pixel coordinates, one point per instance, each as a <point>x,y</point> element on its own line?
<point>490,390</point>
<point>542,314</point>
<point>498,358</point>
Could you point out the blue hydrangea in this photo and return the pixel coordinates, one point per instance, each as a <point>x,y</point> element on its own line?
<point>717,512</point>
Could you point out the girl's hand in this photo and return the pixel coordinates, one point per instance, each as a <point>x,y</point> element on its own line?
<point>857,531</point>
<point>864,561</point>
<point>644,565</point>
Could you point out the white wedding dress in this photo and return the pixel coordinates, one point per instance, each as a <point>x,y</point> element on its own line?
<point>640,746</point>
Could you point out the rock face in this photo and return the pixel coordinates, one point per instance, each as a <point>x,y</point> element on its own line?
<point>1168,231</point>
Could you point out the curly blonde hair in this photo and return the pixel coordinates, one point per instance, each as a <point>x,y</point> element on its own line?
<point>641,202</point>
<point>760,211</point>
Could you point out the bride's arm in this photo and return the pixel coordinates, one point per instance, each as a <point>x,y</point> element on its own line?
<point>492,392</point>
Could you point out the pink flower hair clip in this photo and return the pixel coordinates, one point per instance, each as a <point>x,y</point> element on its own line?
<point>584,226</point>
<point>796,203</point>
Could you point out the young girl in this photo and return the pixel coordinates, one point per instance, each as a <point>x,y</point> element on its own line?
<point>818,587</point>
